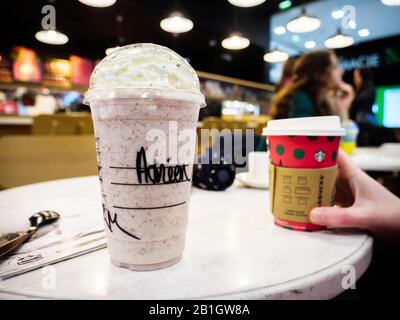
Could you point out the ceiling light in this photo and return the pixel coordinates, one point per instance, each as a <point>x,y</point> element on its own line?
<point>339,40</point>
<point>303,23</point>
<point>212,43</point>
<point>337,14</point>
<point>295,38</point>
<point>51,37</point>
<point>246,3</point>
<point>391,2</point>
<point>176,23</point>
<point>235,42</point>
<point>363,33</point>
<point>98,3</point>
<point>285,5</point>
<point>310,44</point>
<point>352,24</point>
<point>280,30</point>
<point>111,50</point>
<point>276,56</point>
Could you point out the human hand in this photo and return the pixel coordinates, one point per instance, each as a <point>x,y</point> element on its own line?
<point>342,99</point>
<point>361,203</point>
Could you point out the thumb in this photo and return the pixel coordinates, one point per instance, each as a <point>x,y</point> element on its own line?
<point>336,217</point>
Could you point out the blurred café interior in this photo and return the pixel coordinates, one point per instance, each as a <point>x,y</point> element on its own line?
<point>238,51</point>
<point>244,53</point>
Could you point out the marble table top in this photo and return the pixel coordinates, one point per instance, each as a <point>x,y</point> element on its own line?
<point>377,159</point>
<point>233,251</point>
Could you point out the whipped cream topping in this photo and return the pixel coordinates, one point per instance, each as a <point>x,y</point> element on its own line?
<point>144,65</point>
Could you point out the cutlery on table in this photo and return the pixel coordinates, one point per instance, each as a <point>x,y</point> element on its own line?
<point>11,241</point>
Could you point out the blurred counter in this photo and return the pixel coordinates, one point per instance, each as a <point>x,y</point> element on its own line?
<point>15,121</point>
<point>15,125</point>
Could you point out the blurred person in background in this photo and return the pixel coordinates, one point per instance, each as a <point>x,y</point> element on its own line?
<point>361,109</point>
<point>286,80</point>
<point>316,89</point>
<point>287,74</point>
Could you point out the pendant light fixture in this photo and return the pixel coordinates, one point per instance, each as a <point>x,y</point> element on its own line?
<point>51,36</point>
<point>363,32</point>
<point>276,56</point>
<point>337,14</point>
<point>310,44</point>
<point>235,42</point>
<point>176,23</point>
<point>49,33</point>
<point>246,3</point>
<point>391,2</point>
<point>339,40</point>
<point>280,30</point>
<point>98,3</point>
<point>303,23</point>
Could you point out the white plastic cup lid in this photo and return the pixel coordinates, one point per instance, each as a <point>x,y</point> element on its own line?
<point>310,126</point>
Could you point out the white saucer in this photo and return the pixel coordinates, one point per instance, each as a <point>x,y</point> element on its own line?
<point>252,181</point>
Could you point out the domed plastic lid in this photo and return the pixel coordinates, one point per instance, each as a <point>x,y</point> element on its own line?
<point>141,70</point>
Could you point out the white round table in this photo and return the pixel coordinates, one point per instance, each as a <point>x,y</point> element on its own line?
<point>233,251</point>
<point>375,159</point>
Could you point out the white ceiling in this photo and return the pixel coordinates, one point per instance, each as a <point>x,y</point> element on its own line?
<point>382,21</point>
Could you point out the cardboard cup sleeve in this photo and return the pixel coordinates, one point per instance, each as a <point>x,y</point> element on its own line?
<point>295,191</point>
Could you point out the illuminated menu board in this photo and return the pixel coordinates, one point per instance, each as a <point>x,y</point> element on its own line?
<point>81,70</point>
<point>57,72</point>
<point>5,68</point>
<point>26,66</point>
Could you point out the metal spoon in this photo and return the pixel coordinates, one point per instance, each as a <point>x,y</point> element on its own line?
<point>11,241</point>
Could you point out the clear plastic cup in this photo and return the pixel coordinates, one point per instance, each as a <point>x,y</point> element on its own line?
<point>145,101</point>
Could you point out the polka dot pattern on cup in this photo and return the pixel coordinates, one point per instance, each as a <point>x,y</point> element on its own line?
<point>280,149</point>
<point>299,153</point>
<point>303,151</point>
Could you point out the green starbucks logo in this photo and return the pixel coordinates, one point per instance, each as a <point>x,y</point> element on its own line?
<point>319,156</point>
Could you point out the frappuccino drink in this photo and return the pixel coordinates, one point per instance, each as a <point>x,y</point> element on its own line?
<point>142,98</point>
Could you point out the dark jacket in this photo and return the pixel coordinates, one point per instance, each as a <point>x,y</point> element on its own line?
<point>361,109</point>
<point>301,106</point>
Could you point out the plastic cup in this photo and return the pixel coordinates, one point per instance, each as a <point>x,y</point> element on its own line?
<point>145,180</point>
<point>349,142</point>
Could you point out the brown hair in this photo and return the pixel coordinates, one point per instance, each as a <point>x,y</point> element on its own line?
<point>287,73</point>
<point>309,75</point>
<point>367,76</point>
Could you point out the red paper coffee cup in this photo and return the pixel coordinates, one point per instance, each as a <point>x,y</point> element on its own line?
<point>309,143</point>
<point>296,151</point>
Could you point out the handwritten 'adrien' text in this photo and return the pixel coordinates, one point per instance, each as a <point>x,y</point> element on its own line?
<point>161,174</point>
